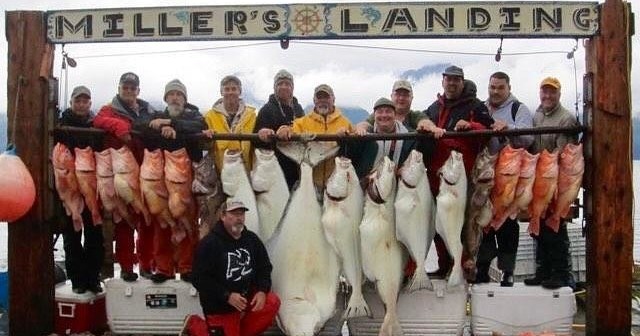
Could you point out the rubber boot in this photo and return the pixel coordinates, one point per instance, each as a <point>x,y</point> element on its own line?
<point>482,276</point>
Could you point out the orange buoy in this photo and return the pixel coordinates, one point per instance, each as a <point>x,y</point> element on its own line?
<point>18,190</point>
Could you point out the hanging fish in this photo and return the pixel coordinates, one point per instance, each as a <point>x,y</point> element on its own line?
<point>64,170</point>
<point>570,171</point>
<point>87,181</point>
<point>544,188</point>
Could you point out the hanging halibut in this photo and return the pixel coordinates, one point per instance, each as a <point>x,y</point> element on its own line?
<point>272,192</point>
<point>235,184</point>
<point>450,210</point>
<point>414,211</point>
<point>67,184</point>
<point>305,267</point>
<point>570,171</point>
<point>341,216</point>
<point>87,181</point>
<point>382,258</point>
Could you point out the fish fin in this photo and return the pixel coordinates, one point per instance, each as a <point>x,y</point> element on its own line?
<point>320,151</point>
<point>357,307</point>
<point>293,150</point>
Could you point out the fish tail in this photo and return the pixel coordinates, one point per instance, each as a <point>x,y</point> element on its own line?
<point>419,280</point>
<point>553,222</point>
<point>391,325</point>
<point>357,306</point>
<point>96,217</point>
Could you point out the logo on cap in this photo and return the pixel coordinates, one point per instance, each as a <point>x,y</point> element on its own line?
<point>130,77</point>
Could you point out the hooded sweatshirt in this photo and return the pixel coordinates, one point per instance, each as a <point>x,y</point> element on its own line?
<point>524,119</point>
<point>117,120</point>
<point>224,265</point>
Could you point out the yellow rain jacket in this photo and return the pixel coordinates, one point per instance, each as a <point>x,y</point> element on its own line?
<point>315,123</point>
<point>217,121</point>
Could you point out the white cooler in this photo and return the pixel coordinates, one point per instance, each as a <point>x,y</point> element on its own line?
<point>514,310</point>
<point>425,312</point>
<point>142,307</point>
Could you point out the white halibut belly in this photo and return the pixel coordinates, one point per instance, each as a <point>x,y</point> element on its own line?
<point>449,222</point>
<point>415,228</point>
<point>305,267</point>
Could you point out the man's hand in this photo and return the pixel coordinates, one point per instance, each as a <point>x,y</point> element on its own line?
<point>437,131</point>
<point>284,132</point>
<point>423,125</point>
<point>499,125</point>
<point>361,128</point>
<point>462,125</point>
<point>237,301</point>
<point>168,132</point>
<point>265,134</point>
<point>258,301</point>
<point>208,133</point>
<point>157,124</point>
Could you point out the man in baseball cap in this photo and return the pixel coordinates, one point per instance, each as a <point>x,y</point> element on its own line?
<point>325,118</point>
<point>127,112</point>
<point>553,268</point>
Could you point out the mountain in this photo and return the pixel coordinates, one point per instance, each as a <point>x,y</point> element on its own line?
<point>417,74</point>
<point>355,114</point>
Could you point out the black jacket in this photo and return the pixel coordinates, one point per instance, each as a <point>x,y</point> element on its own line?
<point>223,265</point>
<point>188,123</point>
<point>273,115</point>
<point>76,140</point>
<point>466,107</point>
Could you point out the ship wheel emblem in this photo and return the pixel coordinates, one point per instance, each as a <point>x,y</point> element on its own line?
<point>307,20</point>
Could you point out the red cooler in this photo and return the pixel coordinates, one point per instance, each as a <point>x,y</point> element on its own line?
<point>76,313</point>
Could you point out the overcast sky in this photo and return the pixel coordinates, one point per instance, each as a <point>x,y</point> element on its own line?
<point>358,75</point>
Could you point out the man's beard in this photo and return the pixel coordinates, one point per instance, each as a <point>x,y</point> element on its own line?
<point>174,110</point>
<point>323,110</point>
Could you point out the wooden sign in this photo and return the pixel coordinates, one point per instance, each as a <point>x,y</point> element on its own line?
<point>326,21</point>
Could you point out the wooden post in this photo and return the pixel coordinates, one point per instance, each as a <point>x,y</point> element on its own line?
<point>610,234</point>
<point>30,60</point>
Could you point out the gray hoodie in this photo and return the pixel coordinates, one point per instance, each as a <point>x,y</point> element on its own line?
<point>524,119</point>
